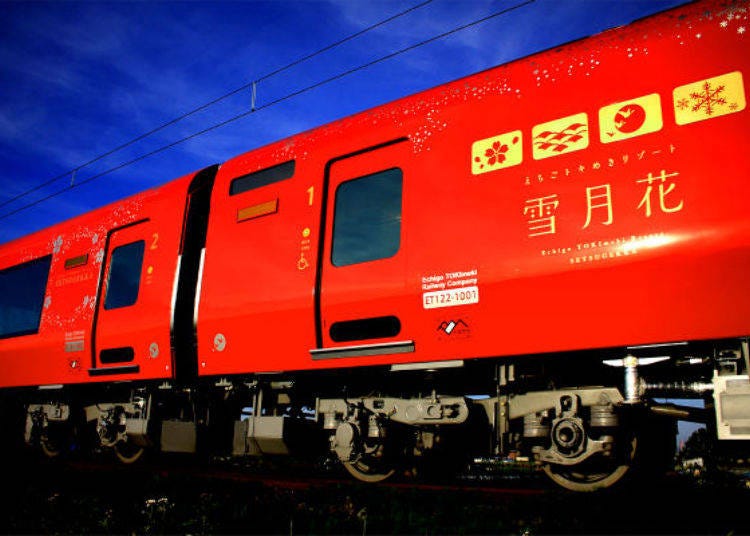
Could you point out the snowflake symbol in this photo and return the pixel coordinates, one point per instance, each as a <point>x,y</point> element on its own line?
<point>708,99</point>
<point>496,153</point>
<point>741,30</point>
<point>733,12</point>
<point>724,23</point>
<point>682,104</point>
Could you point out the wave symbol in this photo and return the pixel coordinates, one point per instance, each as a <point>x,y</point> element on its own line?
<point>559,141</point>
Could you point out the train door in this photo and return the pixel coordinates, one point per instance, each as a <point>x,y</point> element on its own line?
<point>131,330</point>
<point>362,284</point>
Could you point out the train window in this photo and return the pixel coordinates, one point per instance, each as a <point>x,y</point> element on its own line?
<point>367,218</point>
<point>22,289</point>
<point>263,177</point>
<point>125,275</point>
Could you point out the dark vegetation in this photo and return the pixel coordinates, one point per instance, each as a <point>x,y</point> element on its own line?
<point>171,498</point>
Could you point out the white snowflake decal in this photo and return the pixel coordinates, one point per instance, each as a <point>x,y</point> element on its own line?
<point>733,14</point>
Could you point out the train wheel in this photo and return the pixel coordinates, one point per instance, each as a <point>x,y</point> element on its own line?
<point>594,473</point>
<point>50,448</point>
<point>128,452</point>
<point>52,440</point>
<point>369,470</point>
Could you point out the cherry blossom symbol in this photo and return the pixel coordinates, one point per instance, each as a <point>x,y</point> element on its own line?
<point>496,153</point>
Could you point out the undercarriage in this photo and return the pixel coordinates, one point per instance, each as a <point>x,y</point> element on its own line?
<point>588,421</point>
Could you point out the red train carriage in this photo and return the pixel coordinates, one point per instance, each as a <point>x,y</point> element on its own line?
<point>89,300</point>
<point>535,235</point>
<point>93,300</point>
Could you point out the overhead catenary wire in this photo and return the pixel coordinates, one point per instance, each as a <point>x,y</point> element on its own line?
<point>340,42</point>
<point>275,102</point>
<point>252,85</point>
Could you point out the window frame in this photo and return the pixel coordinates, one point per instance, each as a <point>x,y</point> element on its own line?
<point>262,177</point>
<point>337,224</point>
<point>108,306</point>
<point>46,259</point>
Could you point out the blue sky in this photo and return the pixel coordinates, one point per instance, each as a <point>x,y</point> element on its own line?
<point>78,79</point>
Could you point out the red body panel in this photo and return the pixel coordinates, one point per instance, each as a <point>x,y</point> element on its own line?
<point>591,196</point>
<point>61,352</point>
<point>634,233</point>
<point>255,304</point>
